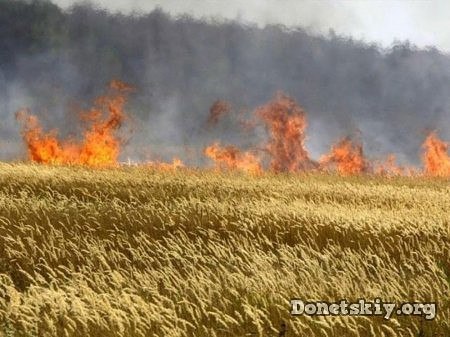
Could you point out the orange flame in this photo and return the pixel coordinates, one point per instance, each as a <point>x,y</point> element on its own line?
<point>435,157</point>
<point>175,164</point>
<point>286,122</point>
<point>100,145</point>
<point>346,156</point>
<point>230,157</point>
<point>390,168</point>
<point>217,110</point>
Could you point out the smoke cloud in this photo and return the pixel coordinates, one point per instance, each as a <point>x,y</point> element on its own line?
<point>56,61</point>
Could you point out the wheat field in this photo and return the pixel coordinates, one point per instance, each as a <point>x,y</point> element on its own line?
<point>137,251</point>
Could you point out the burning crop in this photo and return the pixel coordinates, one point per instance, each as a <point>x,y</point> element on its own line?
<point>217,110</point>
<point>100,144</point>
<point>162,166</point>
<point>286,124</point>
<point>435,157</point>
<point>230,157</point>
<point>346,157</point>
<point>389,167</point>
<point>283,150</point>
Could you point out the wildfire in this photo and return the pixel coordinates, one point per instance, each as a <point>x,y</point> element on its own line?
<point>346,157</point>
<point>100,145</point>
<point>217,110</point>
<point>175,164</point>
<point>230,157</point>
<point>286,123</point>
<point>390,168</point>
<point>283,151</point>
<point>435,157</point>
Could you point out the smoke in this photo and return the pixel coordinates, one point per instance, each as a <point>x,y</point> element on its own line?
<point>180,66</point>
<point>373,21</point>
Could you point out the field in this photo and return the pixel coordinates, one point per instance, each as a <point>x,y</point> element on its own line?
<point>137,251</point>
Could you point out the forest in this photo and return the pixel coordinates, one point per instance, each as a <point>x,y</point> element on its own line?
<point>53,61</point>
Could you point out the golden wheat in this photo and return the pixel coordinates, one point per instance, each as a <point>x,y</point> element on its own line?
<point>142,252</point>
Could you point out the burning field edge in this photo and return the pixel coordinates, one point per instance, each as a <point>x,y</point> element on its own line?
<point>283,150</point>
<point>145,251</point>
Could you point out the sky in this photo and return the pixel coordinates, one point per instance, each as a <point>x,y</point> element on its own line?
<point>423,22</point>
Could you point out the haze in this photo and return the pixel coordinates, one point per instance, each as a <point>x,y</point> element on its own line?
<point>424,23</point>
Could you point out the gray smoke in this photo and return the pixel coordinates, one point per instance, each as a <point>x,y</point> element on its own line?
<point>63,59</point>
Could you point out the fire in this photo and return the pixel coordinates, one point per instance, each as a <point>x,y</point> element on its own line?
<point>283,151</point>
<point>230,157</point>
<point>435,157</point>
<point>389,167</point>
<point>286,123</point>
<point>174,165</point>
<point>100,145</point>
<point>217,110</point>
<point>346,157</point>
<point>43,148</point>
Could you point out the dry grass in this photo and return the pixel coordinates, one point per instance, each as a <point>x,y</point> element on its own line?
<point>137,252</point>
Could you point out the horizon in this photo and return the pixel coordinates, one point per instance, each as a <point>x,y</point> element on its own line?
<point>375,22</point>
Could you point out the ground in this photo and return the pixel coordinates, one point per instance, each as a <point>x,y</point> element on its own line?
<point>137,251</point>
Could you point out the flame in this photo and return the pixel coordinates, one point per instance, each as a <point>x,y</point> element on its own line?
<point>389,168</point>
<point>435,157</point>
<point>346,156</point>
<point>230,157</point>
<point>217,110</point>
<point>43,148</point>
<point>286,123</point>
<point>100,145</point>
<point>174,165</point>
<point>283,151</point>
